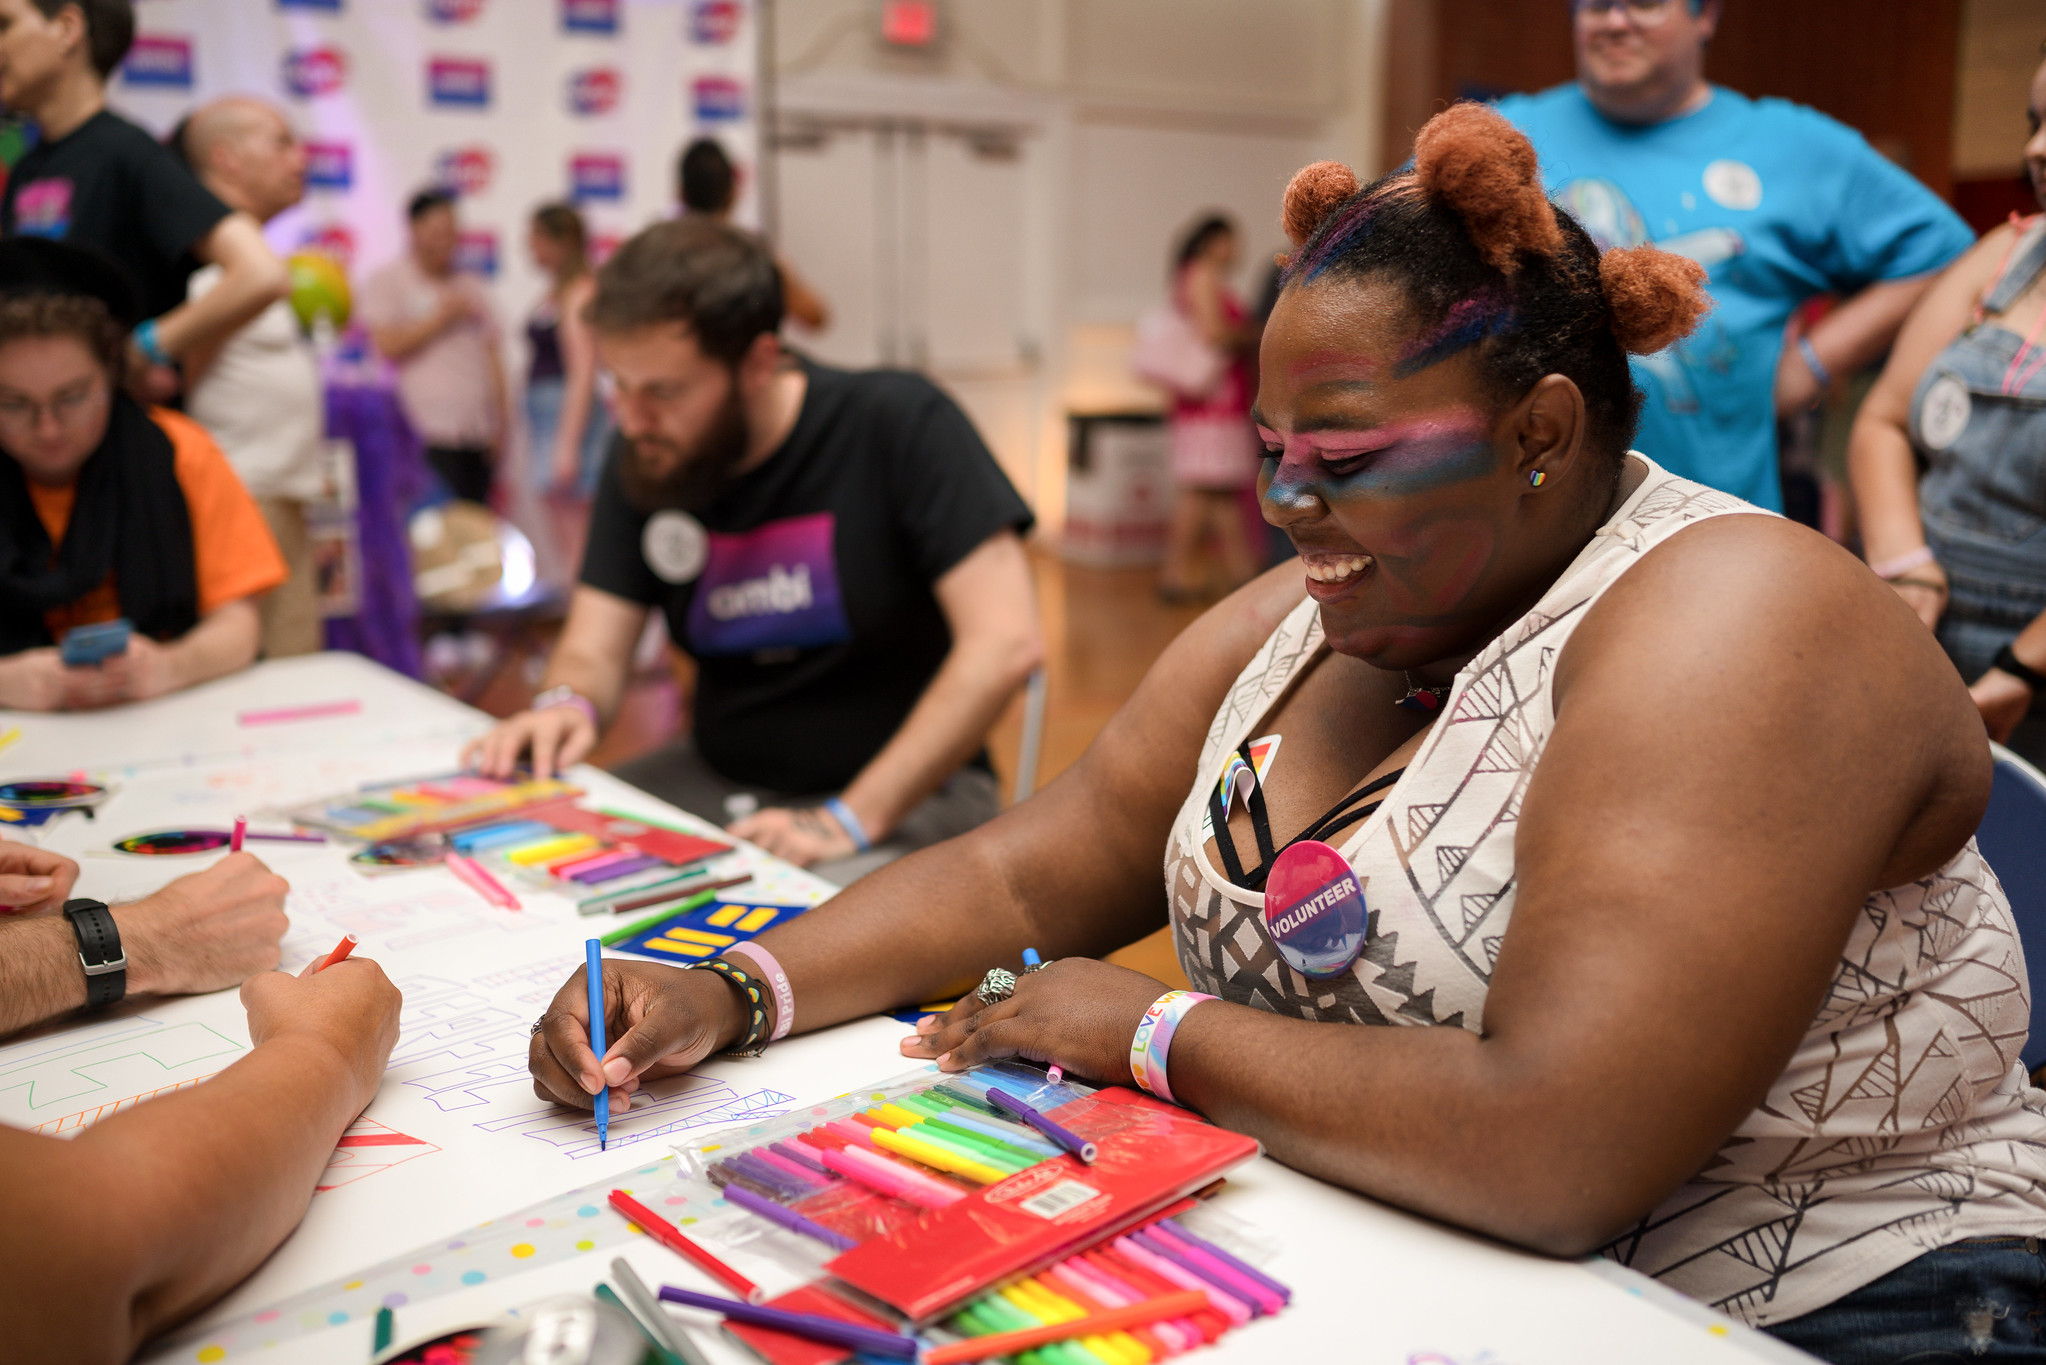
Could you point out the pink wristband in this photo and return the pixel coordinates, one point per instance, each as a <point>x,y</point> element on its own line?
<point>784,998</point>
<point>1153,1039</point>
<point>1902,564</point>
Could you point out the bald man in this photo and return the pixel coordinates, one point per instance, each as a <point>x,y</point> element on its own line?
<point>259,390</point>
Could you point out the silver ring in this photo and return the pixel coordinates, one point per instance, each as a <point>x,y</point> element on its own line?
<point>538,1024</point>
<point>998,985</point>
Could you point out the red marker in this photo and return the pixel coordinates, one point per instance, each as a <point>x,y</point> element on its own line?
<point>670,1236</point>
<point>340,953</point>
<point>241,832</point>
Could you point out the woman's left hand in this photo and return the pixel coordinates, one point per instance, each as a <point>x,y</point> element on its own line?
<point>1077,1013</point>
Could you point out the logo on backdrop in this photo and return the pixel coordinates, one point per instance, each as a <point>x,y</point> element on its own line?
<point>596,175</point>
<point>334,240</point>
<point>314,71</point>
<point>160,62</point>
<point>774,587</point>
<point>718,99</point>
<point>714,22</point>
<point>595,91</point>
<point>329,165</point>
<point>602,244</point>
<point>589,16</point>
<point>452,11</point>
<point>476,252</point>
<point>460,82</point>
<point>42,208</point>
<point>464,170</point>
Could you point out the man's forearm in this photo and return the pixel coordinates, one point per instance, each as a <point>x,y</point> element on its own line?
<point>40,975</point>
<point>948,725</point>
<point>1857,333</point>
<point>251,279</point>
<point>226,640</point>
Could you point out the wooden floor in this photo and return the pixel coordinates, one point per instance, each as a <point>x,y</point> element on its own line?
<point>1103,627</point>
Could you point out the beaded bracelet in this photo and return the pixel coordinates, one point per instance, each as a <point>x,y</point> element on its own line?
<point>754,1041</point>
<point>766,965</point>
<point>1153,1038</point>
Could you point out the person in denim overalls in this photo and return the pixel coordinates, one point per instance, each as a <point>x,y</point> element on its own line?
<point>1965,395</point>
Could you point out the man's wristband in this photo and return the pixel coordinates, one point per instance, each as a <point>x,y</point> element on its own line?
<point>151,345</point>
<point>2009,662</point>
<point>568,696</point>
<point>850,823</point>
<point>99,952</point>
<point>1810,353</point>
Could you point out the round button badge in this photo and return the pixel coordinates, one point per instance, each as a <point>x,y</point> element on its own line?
<point>1943,415</point>
<point>1314,909</point>
<point>675,546</point>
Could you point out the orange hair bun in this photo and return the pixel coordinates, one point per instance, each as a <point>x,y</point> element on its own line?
<point>1312,195</point>
<point>1469,157</point>
<point>1656,296</point>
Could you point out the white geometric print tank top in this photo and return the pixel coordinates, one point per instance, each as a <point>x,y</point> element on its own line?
<point>1903,1123</point>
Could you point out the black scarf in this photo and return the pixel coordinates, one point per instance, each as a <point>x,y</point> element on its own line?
<point>129,519</point>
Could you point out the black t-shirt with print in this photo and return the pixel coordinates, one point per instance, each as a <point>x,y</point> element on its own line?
<point>809,605</point>
<point>109,185</point>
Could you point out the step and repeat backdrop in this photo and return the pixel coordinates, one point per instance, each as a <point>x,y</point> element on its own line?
<point>509,103</point>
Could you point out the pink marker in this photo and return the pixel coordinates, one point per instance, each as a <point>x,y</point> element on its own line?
<point>241,832</point>
<point>1228,1305</point>
<point>481,882</point>
<point>892,1178</point>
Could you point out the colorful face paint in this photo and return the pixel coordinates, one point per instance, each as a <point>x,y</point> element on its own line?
<point>1466,324</point>
<point>1397,459</point>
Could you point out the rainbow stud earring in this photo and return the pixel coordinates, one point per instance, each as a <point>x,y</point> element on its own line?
<point>1536,478</point>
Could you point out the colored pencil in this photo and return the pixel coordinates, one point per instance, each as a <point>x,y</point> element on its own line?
<point>1057,1132</point>
<point>593,964</point>
<point>671,1237</point>
<point>340,954</point>
<point>640,926</point>
<point>1114,1320</point>
<point>481,882</point>
<point>656,1318</point>
<point>788,1218</point>
<point>241,832</point>
<point>870,1340</point>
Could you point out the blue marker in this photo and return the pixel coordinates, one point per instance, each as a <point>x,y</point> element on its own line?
<point>595,950</point>
<point>1031,959</point>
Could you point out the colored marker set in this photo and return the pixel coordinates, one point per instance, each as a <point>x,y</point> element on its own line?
<point>608,862</point>
<point>969,1206</point>
<point>398,810</point>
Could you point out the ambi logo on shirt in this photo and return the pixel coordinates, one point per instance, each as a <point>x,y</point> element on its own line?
<point>161,62</point>
<point>589,16</point>
<point>42,208</point>
<point>329,165</point>
<point>718,98</point>
<point>464,170</point>
<point>596,175</point>
<point>595,91</point>
<point>312,71</point>
<point>476,252</point>
<point>453,11</point>
<point>459,81</point>
<point>774,587</point>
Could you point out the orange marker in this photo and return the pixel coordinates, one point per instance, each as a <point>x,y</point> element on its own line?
<point>340,954</point>
<point>1165,1306</point>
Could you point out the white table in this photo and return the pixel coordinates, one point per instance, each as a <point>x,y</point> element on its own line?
<point>455,1137</point>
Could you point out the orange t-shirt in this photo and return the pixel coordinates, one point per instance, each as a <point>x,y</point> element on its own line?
<point>233,554</point>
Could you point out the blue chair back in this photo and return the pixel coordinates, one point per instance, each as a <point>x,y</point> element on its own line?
<point>2012,838</point>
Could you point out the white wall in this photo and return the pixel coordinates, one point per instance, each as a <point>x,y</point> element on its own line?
<point>1134,116</point>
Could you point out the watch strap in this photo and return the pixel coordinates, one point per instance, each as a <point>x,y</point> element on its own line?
<point>99,952</point>
<point>2009,662</point>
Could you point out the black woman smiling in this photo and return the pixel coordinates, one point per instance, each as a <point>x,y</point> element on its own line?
<point>1607,881</point>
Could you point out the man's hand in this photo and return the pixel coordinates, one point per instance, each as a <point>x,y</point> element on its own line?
<point>804,836</point>
<point>2003,701</point>
<point>145,669</point>
<point>206,931</point>
<point>34,680</point>
<point>663,1019</point>
<point>351,1008</point>
<point>33,880</point>
<point>557,737</point>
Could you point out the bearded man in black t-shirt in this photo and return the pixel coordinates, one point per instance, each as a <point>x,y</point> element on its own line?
<point>96,180</point>
<point>836,550</point>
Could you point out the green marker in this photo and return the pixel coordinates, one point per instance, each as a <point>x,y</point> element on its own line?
<point>637,927</point>
<point>387,1326</point>
<point>968,1148</point>
<point>995,1145</point>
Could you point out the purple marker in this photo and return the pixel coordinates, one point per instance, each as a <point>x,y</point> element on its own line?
<point>1236,1263</point>
<point>788,1218</point>
<point>766,1176</point>
<point>1057,1132</point>
<point>614,869</point>
<point>789,1151</point>
<point>872,1340</point>
<point>1262,1301</point>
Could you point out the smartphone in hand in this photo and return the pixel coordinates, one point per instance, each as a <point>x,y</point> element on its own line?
<point>87,646</point>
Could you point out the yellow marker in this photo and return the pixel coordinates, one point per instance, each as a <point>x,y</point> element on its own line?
<point>758,918</point>
<point>724,916</point>
<point>1052,1306</point>
<point>8,736</point>
<point>937,1158</point>
<point>8,813</point>
<point>894,1115</point>
<point>547,850</point>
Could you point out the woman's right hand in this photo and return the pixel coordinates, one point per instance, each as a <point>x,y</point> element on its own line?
<point>351,1008</point>
<point>557,737</point>
<point>661,1021</point>
<point>34,680</point>
<point>1924,590</point>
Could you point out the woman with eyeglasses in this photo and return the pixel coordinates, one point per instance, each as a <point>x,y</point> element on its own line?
<point>110,512</point>
<point>1948,460</point>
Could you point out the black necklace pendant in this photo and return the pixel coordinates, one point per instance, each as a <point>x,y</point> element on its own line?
<point>1425,700</point>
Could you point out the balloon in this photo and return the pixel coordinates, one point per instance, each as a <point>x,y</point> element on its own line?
<point>319,289</point>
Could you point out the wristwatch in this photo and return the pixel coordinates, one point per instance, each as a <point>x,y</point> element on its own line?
<point>99,952</point>
<point>2007,660</point>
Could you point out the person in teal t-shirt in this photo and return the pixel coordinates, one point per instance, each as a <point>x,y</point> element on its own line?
<point>1778,202</point>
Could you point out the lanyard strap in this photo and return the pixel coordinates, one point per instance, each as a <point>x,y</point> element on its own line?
<point>1351,808</point>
